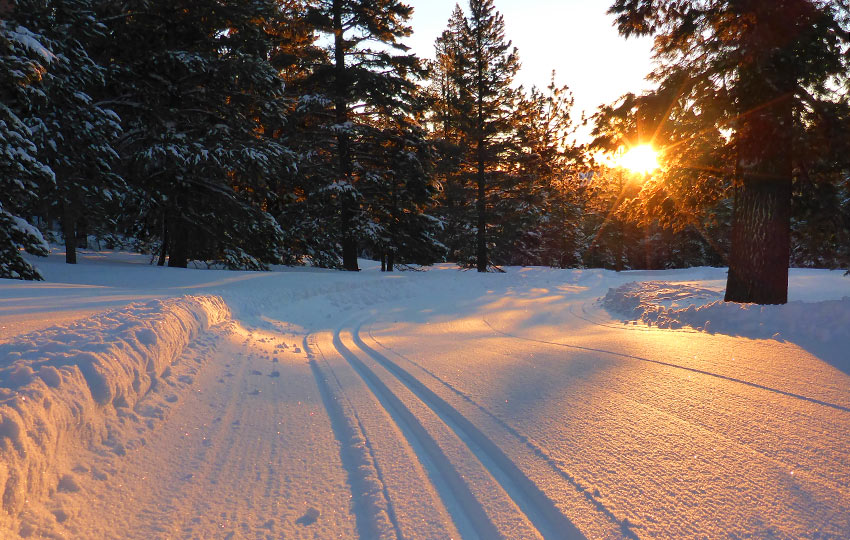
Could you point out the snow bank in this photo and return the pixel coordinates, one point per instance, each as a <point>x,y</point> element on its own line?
<point>674,305</point>
<point>71,385</point>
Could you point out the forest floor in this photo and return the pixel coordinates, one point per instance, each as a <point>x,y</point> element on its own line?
<point>304,403</point>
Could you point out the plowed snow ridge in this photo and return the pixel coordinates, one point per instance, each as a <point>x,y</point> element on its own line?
<point>66,386</point>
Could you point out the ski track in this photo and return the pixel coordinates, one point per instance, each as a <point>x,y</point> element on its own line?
<point>385,448</point>
<point>751,440</point>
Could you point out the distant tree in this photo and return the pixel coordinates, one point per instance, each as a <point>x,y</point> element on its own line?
<point>757,68</point>
<point>478,65</point>
<point>541,208</point>
<point>370,73</point>
<point>24,59</point>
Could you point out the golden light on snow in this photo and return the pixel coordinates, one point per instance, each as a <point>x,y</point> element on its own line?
<point>640,159</point>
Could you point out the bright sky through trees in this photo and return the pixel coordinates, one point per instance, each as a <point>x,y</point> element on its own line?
<point>574,37</point>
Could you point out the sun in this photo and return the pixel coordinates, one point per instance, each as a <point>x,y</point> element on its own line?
<point>640,159</point>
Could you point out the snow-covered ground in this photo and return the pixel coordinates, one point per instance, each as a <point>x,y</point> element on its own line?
<point>145,402</point>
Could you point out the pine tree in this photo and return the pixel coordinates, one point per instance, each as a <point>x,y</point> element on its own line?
<point>759,65</point>
<point>195,102</point>
<point>74,134</point>
<point>364,79</point>
<point>493,63</point>
<point>24,59</point>
<point>475,69</point>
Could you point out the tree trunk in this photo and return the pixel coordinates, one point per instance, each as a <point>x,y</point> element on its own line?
<point>349,240</point>
<point>481,206</point>
<point>383,261</point>
<point>761,222</point>
<point>164,247</point>
<point>82,233</point>
<point>68,220</point>
<point>349,254</point>
<point>390,260</point>
<point>178,248</point>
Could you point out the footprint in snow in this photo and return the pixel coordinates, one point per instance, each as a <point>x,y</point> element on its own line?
<point>309,517</point>
<point>254,392</point>
<point>274,373</point>
<point>255,372</point>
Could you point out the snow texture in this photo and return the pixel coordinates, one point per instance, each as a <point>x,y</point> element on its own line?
<point>306,403</point>
<point>64,386</point>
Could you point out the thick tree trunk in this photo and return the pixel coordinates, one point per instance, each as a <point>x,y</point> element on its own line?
<point>383,261</point>
<point>178,248</point>
<point>390,260</point>
<point>761,223</point>
<point>349,254</point>
<point>68,231</point>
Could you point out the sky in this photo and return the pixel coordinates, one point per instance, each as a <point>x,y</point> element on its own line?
<point>576,38</point>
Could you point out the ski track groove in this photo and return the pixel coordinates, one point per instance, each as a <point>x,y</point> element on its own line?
<point>348,428</point>
<point>537,507</point>
<point>536,450</point>
<point>456,495</point>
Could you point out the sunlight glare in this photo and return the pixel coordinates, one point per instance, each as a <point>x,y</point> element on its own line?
<point>640,159</point>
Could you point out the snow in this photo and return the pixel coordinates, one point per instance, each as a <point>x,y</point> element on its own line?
<point>146,402</point>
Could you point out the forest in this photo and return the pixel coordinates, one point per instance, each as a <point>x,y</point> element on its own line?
<point>248,133</point>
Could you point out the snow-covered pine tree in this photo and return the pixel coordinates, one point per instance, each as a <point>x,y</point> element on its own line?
<point>482,73</point>
<point>74,134</point>
<point>759,67</point>
<point>194,102</point>
<point>537,212</point>
<point>456,208</point>
<point>369,71</point>
<point>24,58</point>
<point>398,188</point>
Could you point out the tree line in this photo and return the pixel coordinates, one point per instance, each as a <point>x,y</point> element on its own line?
<point>256,132</point>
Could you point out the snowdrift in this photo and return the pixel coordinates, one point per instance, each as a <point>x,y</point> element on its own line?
<point>675,305</point>
<point>71,385</point>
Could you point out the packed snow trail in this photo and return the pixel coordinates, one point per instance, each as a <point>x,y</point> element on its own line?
<point>445,404</point>
<point>244,450</point>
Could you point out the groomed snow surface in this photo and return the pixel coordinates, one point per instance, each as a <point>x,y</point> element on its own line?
<point>143,402</point>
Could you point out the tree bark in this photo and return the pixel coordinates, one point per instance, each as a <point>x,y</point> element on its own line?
<point>349,240</point>
<point>68,231</point>
<point>761,222</point>
<point>164,247</point>
<point>178,248</point>
<point>481,206</point>
<point>390,260</point>
<point>82,233</point>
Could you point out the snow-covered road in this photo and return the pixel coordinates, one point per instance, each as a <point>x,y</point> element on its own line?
<point>447,404</point>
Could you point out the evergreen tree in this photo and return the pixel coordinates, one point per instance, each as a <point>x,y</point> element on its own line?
<point>24,59</point>
<point>447,117</point>
<point>542,206</point>
<point>370,73</point>
<point>75,135</point>
<point>480,65</point>
<point>493,65</point>
<point>757,66</point>
<point>195,102</point>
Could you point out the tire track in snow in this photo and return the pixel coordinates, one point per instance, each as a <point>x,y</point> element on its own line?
<point>537,507</point>
<point>672,365</point>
